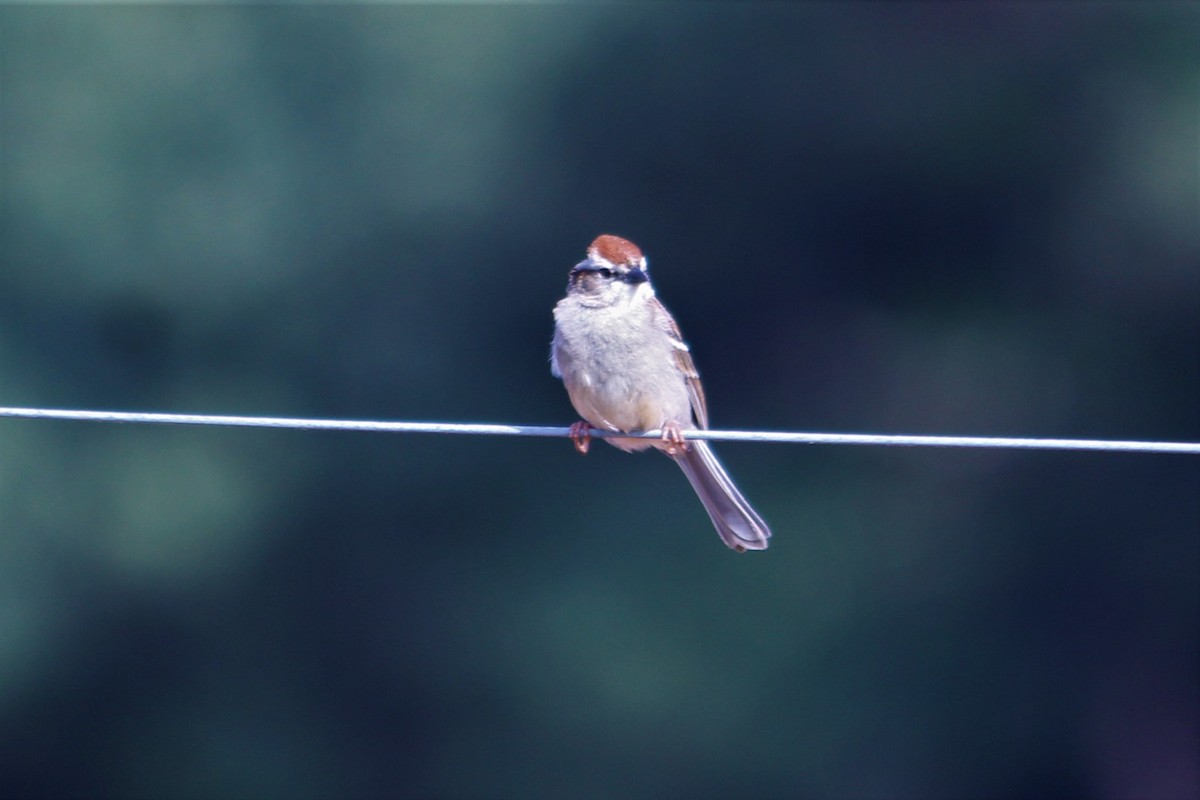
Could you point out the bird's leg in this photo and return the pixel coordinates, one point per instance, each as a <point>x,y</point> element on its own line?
<point>672,436</point>
<point>581,435</point>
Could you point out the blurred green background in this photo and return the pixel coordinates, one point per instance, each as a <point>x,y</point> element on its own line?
<point>922,218</point>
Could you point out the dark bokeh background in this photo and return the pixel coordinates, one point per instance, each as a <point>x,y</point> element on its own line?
<point>918,218</point>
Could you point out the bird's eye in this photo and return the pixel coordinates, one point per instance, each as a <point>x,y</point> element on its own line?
<point>604,272</point>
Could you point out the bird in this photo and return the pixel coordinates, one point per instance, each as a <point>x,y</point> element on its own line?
<point>626,369</point>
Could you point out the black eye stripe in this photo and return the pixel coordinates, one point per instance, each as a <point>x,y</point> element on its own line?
<point>632,275</point>
<point>602,271</point>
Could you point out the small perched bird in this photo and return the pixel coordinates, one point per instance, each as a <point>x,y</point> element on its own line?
<point>627,370</point>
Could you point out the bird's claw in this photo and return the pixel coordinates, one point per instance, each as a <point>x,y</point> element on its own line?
<point>672,436</point>
<point>581,435</point>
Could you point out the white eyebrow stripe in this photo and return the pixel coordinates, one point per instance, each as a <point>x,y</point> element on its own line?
<point>597,259</point>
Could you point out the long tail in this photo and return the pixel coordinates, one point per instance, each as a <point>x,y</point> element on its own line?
<point>739,526</point>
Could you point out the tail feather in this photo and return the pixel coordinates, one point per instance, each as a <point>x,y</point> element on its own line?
<point>739,525</point>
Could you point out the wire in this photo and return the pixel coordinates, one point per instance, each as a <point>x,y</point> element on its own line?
<point>535,430</point>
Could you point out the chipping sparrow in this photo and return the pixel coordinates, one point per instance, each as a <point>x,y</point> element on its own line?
<point>627,370</point>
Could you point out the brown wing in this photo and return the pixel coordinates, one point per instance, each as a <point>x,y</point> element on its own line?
<point>683,360</point>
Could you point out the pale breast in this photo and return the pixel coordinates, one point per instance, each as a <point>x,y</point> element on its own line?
<point>619,367</point>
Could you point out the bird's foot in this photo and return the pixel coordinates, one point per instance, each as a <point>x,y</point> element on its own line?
<point>672,436</point>
<point>581,435</point>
